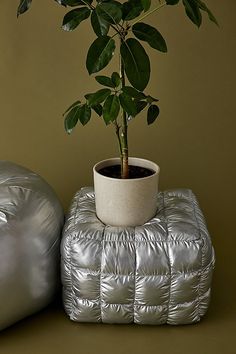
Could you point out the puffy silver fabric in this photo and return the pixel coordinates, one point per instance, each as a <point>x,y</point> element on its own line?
<point>31,219</point>
<point>152,274</point>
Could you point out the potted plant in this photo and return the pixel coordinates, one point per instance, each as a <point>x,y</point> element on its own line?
<point>125,188</point>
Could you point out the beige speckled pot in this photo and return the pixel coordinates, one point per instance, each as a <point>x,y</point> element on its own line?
<point>126,202</point>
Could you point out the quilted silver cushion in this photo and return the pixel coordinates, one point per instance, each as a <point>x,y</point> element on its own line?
<point>31,219</point>
<point>156,273</point>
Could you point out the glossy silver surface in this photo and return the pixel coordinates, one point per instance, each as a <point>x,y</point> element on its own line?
<point>156,273</point>
<point>31,219</point>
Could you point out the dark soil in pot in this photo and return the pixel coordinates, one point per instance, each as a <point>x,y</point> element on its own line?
<point>114,171</point>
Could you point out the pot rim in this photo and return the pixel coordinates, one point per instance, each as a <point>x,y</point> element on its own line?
<point>113,160</point>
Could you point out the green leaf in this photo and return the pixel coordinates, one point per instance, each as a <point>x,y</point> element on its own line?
<point>97,97</point>
<point>193,11</point>
<point>104,80</point>
<point>84,114</point>
<point>76,103</point>
<point>152,114</point>
<point>111,109</point>
<point>172,2</point>
<point>98,109</point>
<point>146,4</point>
<point>150,35</point>
<point>140,105</point>
<point>128,104</point>
<point>136,62</point>
<point>115,78</point>
<point>110,12</point>
<point>23,6</point>
<point>72,3</point>
<point>73,18</point>
<point>131,9</point>
<point>132,92</point>
<point>203,7</point>
<point>71,119</point>
<point>151,99</point>
<point>100,54</point>
<point>100,26</point>
<point>117,3</point>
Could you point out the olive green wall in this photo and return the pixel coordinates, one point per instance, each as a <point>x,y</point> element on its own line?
<point>42,71</point>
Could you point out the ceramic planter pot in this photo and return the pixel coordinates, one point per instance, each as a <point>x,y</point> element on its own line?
<point>126,202</point>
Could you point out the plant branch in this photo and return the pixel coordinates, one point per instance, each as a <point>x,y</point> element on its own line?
<point>124,128</point>
<point>89,5</point>
<point>117,127</point>
<point>149,12</point>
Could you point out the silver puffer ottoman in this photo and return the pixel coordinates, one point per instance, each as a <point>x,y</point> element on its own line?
<point>31,219</point>
<point>156,273</point>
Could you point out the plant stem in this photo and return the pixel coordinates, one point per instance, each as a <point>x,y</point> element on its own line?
<point>124,130</point>
<point>117,127</point>
<point>149,13</point>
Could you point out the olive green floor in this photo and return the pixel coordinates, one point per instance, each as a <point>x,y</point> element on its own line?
<point>50,331</point>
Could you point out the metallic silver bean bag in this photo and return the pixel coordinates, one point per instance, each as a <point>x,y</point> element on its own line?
<point>31,219</point>
<point>152,274</point>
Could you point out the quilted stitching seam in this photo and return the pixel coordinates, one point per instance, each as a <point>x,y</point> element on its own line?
<point>168,256</point>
